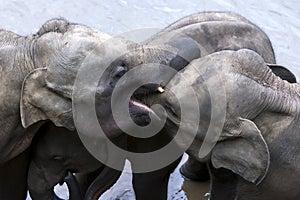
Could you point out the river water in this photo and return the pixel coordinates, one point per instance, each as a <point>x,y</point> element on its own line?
<point>279,19</point>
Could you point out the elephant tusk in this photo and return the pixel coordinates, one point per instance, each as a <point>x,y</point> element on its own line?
<point>160,89</point>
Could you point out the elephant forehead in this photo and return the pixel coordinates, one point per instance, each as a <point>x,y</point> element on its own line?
<point>77,45</point>
<point>87,33</point>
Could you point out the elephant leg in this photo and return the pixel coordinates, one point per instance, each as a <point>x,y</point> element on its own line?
<point>223,184</point>
<point>153,185</point>
<point>13,177</point>
<point>194,170</point>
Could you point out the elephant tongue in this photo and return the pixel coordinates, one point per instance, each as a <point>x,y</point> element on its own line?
<point>142,106</point>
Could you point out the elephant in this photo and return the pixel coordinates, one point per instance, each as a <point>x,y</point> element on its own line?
<point>37,74</point>
<point>20,56</point>
<point>255,148</point>
<point>195,170</point>
<point>29,55</point>
<point>55,152</point>
<point>176,46</point>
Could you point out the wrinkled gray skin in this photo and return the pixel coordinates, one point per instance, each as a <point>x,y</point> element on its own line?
<point>259,139</point>
<point>187,39</point>
<point>45,64</point>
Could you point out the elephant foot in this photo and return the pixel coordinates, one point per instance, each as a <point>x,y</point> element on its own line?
<point>194,170</point>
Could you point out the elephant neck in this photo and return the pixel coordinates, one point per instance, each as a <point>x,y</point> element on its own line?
<point>26,53</point>
<point>21,48</point>
<point>34,52</point>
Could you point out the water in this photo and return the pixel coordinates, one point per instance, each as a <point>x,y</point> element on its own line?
<point>279,19</point>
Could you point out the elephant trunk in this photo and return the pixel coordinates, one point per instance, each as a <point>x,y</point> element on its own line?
<point>73,186</point>
<point>102,182</point>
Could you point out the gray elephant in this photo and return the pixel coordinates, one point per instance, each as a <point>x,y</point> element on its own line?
<point>44,63</point>
<point>195,170</point>
<point>187,39</point>
<point>258,141</point>
<point>218,23</point>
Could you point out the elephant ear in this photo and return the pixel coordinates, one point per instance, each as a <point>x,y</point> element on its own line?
<point>283,73</point>
<point>188,50</point>
<point>245,153</point>
<point>38,102</point>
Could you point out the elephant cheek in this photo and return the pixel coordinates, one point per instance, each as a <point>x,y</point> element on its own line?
<point>36,179</point>
<point>42,179</point>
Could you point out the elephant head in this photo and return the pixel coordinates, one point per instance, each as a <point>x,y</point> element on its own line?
<point>47,90</point>
<point>224,98</point>
<point>59,52</point>
<point>56,154</point>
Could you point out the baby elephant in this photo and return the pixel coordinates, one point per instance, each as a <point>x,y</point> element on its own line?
<point>248,127</point>
<point>57,152</point>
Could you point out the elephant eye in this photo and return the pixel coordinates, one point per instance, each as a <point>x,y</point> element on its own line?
<point>58,158</point>
<point>119,72</point>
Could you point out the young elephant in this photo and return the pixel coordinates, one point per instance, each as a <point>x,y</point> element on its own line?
<point>56,152</point>
<point>195,170</point>
<point>256,147</point>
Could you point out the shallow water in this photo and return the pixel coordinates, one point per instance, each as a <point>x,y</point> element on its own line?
<point>279,19</point>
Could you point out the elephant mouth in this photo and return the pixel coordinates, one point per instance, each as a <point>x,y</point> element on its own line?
<point>142,95</point>
<point>140,112</point>
<point>140,106</point>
